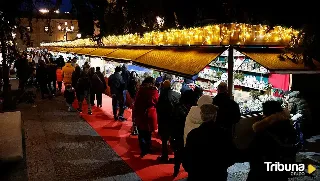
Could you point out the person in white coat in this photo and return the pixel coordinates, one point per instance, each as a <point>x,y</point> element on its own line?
<point>193,119</point>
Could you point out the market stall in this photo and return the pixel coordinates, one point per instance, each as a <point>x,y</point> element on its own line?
<point>252,68</point>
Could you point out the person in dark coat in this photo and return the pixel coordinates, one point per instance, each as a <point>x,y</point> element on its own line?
<point>22,67</point>
<point>185,85</point>
<point>83,89</point>
<point>75,77</point>
<point>69,95</point>
<point>125,77</point>
<point>145,114</point>
<point>132,85</point>
<point>116,84</point>
<point>273,142</point>
<point>229,111</point>
<point>299,109</point>
<point>181,111</point>
<point>42,79</point>
<point>168,99</point>
<point>91,72</point>
<point>60,61</point>
<point>52,78</point>
<point>201,159</point>
<point>98,86</point>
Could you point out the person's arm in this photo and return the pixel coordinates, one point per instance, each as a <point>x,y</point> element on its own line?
<point>237,113</point>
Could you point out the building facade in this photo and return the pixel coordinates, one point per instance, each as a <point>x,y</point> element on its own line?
<point>43,29</point>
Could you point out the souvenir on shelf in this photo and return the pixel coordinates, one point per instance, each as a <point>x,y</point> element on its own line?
<point>208,74</point>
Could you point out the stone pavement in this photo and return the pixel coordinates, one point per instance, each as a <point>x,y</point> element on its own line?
<point>60,145</point>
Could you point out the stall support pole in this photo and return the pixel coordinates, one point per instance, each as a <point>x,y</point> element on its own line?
<point>230,71</point>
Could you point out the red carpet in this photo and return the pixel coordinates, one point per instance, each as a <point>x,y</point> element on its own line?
<point>117,135</point>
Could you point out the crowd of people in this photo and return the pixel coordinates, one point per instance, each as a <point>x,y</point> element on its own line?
<point>200,131</point>
<point>198,128</point>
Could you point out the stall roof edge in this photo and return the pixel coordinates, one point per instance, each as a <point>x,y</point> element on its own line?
<point>271,60</point>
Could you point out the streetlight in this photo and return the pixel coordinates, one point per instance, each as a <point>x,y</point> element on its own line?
<point>66,29</point>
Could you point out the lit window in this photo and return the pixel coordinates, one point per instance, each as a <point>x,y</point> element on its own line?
<point>46,28</point>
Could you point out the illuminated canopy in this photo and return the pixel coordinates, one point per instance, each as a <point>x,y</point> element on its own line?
<point>222,34</point>
<point>271,59</point>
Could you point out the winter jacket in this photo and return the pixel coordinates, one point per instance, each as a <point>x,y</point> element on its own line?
<point>168,99</point>
<point>67,73</point>
<point>125,77</point>
<point>59,75</point>
<point>75,77</point>
<point>42,74</point>
<point>60,62</point>
<point>116,83</point>
<point>52,72</point>
<point>229,111</point>
<point>98,83</point>
<point>144,110</point>
<point>207,153</point>
<point>83,84</point>
<point>274,141</point>
<point>193,119</point>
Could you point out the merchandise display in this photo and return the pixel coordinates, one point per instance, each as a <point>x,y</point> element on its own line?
<point>248,75</point>
<point>251,80</point>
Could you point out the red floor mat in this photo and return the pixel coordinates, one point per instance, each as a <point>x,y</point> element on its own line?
<point>117,135</point>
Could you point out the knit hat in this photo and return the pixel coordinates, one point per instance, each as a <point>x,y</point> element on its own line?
<point>208,112</point>
<point>166,84</point>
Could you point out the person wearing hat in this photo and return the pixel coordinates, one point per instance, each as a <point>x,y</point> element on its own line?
<point>207,145</point>
<point>168,99</point>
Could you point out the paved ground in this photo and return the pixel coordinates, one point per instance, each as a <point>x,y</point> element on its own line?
<point>61,146</point>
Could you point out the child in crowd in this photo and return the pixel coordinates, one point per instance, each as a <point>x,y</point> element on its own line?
<point>59,75</point>
<point>69,94</point>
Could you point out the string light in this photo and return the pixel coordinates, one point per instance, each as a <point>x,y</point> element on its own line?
<point>222,34</point>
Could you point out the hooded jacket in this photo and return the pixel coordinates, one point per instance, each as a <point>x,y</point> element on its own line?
<point>193,119</point>
<point>270,121</point>
<point>273,142</point>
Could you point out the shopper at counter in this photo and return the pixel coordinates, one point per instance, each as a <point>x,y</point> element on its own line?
<point>229,111</point>
<point>180,113</point>
<point>202,160</point>
<point>193,119</point>
<point>168,99</point>
<point>273,142</point>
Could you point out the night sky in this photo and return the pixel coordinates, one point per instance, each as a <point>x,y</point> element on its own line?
<point>65,7</point>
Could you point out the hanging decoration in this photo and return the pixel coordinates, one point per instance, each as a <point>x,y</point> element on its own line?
<point>220,34</point>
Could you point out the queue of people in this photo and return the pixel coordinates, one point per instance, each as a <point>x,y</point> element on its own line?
<point>198,128</point>
<point>200,131</point>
